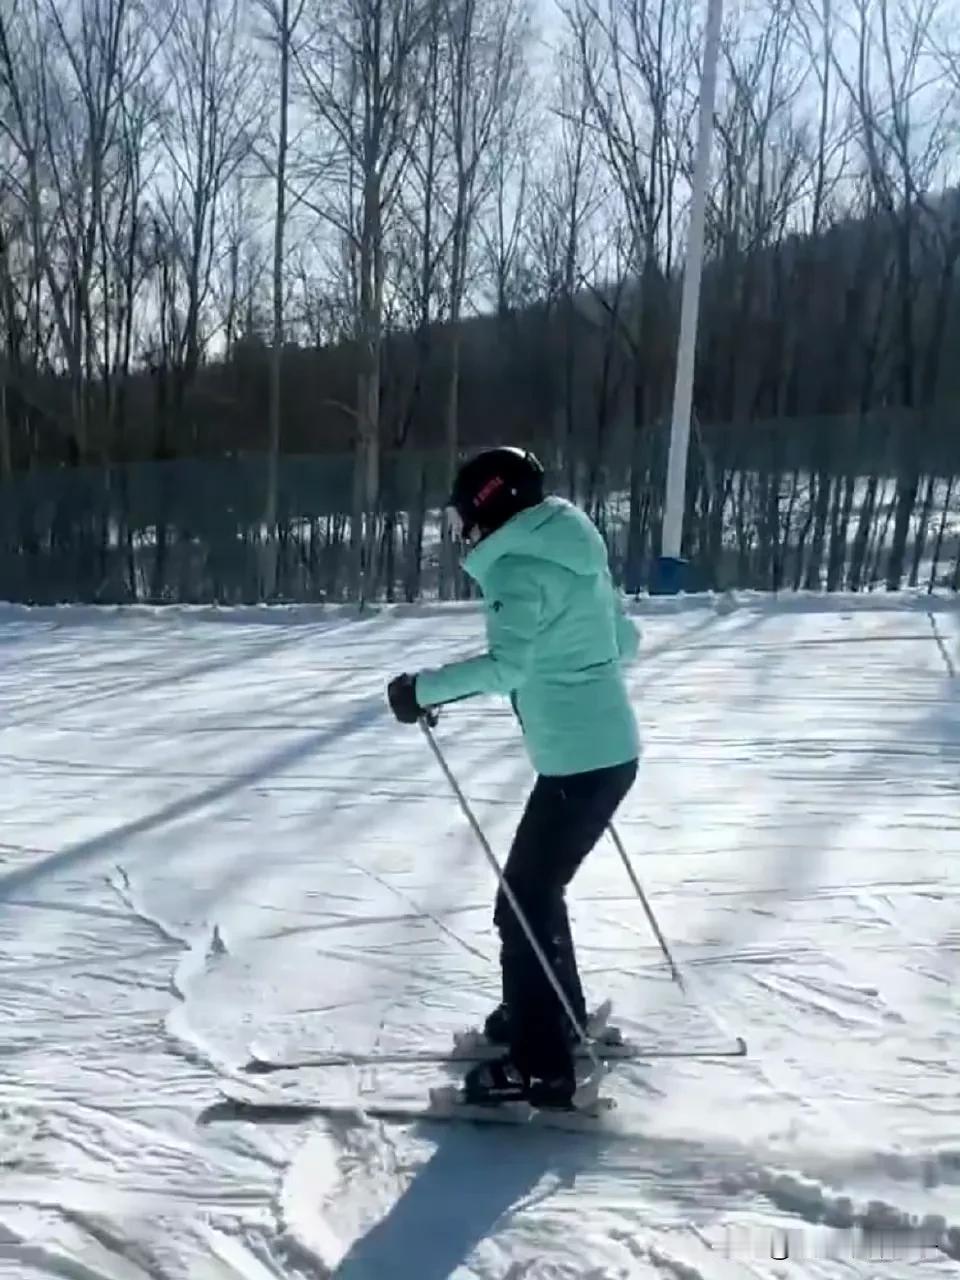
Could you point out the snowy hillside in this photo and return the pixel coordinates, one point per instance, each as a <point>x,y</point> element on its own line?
<point>213,834</point>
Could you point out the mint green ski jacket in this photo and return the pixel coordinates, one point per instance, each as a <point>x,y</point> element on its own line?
<point>557,636</point>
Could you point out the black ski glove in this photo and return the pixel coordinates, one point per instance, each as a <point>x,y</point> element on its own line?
<point>402,696</point>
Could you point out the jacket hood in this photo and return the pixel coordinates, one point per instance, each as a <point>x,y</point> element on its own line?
<point>554,530</point>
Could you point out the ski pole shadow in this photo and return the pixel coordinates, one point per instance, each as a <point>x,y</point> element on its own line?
<point>71,857</point>
<point>473,1181</point>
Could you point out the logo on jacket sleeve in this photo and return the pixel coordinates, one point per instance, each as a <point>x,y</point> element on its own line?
<point>497,606</point>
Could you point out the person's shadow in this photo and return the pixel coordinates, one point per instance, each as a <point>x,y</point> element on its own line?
<point>475,1176</point>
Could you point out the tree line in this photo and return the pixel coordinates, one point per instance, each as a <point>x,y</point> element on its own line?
<point>351,238</point>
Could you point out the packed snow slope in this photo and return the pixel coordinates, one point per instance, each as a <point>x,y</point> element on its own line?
<point>212,833</point>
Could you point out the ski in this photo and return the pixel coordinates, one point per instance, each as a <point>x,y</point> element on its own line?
<point>469,1047</point>
<point>625,1052</point>
<point>249,1103</point>
<point>606,1044</point>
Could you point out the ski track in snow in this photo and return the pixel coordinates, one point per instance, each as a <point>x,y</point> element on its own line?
<point>212,834</point>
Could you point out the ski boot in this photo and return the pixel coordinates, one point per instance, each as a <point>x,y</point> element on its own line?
<point>496,1028</point>
<point>501,1080</point>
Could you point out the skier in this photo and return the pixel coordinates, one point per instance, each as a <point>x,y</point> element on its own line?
<point>557,637</point>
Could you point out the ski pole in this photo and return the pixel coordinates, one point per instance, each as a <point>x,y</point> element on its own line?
<point>677,976</point>
<point>427,722</point>
<point>740,1048</point>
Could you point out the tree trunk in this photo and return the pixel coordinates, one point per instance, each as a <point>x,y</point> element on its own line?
<point>788,528</point>
<point>6,451</point>
<point>822,511</point>
<point>448,550</point>
<point>634,566</point>
<point>367,476</point>
<point>858,559</point>
<point>879,535</point>
<point>938,545</point>
<point>268,588</point>
<point>569,383</point>
<point>840,534</point>
<point>414,559</point>
<point>920,541</point>
<point>908,486</point>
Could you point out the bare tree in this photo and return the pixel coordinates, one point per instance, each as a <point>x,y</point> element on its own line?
<point>211,125</point>
<point>483,46</point>
<point>567,197</point>
<point>759,187</point>
<point>208,133</point>
<point>11,320</point>
<point>902,162</point>
<point>283,19</point>
<point>358,69</point>
<point>420,243</point>
<point>501,227</point>
<point>23,227</point>
<point>636,62</point>
<point>753,208</point>
<point>70,76</point>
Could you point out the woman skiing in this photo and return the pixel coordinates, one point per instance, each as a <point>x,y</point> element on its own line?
<point>557,637</point>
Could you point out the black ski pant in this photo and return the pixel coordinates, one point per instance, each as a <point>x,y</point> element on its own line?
<point>563,820</point>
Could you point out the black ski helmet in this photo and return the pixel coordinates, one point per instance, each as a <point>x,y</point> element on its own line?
<point>493,486</point>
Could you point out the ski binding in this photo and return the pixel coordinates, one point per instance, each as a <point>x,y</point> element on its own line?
<point>261,1103</point>
<point>474,1045</point>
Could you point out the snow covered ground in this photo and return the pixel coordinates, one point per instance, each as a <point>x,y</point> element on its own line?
<point>212,832</point>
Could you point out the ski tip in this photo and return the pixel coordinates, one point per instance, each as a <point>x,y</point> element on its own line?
<point>741,1047</point>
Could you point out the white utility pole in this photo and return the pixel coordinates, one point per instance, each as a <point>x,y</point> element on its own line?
<point>690,307</point>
